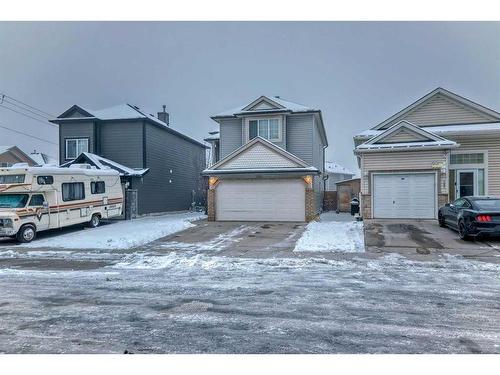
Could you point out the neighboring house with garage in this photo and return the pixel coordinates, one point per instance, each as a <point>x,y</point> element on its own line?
<point>270,162</point>
<point>160,167</point>
<point>10,155</point>
<point>439,148</point>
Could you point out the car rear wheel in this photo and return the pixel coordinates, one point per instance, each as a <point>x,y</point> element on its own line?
<point>463,232</point>
<point>95,221</point>
<point>26,233</point>
<point>441,221</point>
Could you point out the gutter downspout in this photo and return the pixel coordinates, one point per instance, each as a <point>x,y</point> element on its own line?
<point>324,179</point>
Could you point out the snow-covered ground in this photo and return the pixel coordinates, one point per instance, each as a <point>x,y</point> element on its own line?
<point>197,302</point>
<point>333,233</point>
<point>121,235</point>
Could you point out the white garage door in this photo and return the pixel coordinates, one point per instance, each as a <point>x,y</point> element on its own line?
<point>404,196</point>
<point>260,200</point>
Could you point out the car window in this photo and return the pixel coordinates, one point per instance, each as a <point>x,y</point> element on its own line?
<point>36,200</point>
<point>488,204</point>
<point>459,203</point>
<point>466,204</point>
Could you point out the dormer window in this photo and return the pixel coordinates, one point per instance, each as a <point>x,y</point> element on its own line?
<point>269,129</point>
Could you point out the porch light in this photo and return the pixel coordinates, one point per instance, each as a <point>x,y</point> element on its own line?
<point>212,181</point>
<point>308,180</point>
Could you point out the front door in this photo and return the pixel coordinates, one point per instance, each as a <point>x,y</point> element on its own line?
<point>466,183</point>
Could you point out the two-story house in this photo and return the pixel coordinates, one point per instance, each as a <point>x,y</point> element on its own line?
<point>162,165</point>
<point>268,164</point>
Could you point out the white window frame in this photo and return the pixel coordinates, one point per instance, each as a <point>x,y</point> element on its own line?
<point>86,141</point>
<point>280,127</point>
<point>453,168</point>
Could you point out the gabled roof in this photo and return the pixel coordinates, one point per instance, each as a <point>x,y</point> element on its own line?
<point>260,155</point>
<point>102,163</point>
<point>275,104</point>
<point>488,113</point>
<point>119,112</point>
<point>431,140</point>
<point>17,152</point>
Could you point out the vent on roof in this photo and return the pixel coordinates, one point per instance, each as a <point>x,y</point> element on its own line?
<point>164,116</point>
<point>277,96</point>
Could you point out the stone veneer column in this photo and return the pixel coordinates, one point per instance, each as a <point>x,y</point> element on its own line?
<point>211,204</point>
<point>310,205</point>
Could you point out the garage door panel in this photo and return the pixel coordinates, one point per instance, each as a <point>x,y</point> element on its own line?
<point>404,195</point>
<point>260,200</point>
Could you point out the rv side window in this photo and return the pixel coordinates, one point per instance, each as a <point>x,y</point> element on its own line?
<point>73,191</point>
<point>97,187</point>
<point>45,180</point>
<point>12,179</point>
<point>36,200</point>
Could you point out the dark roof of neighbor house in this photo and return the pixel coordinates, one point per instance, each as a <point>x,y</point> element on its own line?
<point>102,163</point>
<point>119,112</point>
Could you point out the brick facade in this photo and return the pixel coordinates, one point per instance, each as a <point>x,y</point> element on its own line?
<point>366,206</point>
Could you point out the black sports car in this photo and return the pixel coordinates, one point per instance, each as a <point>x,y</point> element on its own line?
<point>472,216</point>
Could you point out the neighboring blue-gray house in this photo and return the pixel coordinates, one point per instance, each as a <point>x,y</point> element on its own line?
<point>335,173</point>
<point>268,163</point>
<point>136,140</point>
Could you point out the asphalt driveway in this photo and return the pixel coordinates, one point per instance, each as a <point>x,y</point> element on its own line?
<point>425,239</point>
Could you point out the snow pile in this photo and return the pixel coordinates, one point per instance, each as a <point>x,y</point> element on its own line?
<point>123,234</point>
<point>334,236</point>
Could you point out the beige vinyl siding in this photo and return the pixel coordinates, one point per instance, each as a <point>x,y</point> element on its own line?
<point>404,135</point>
<point>490,143</point>
<point>440,110</point>
<point>399,161</point>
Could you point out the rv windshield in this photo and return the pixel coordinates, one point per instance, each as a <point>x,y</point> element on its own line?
<point>12,179</point>
<point>13,200</point>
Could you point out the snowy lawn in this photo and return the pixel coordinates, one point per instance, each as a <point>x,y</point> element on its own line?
<point>335,233</point>
<point>123,234</point>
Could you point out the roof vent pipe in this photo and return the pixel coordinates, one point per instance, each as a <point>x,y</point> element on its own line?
<point>164,116</point>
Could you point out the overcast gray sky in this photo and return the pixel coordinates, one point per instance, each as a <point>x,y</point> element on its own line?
<point>357,73</point>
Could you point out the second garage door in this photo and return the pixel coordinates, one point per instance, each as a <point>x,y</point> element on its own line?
<point>404,196</point>
<point>260,200</point>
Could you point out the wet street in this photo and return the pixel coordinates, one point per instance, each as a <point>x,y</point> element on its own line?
<point>198,301</point>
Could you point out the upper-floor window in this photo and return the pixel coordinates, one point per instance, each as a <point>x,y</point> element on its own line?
<point>76,146</point>
<point>265,128</point>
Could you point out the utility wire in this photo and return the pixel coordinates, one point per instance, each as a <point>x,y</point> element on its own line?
<point>24,114</point>
<point>26,109</point>
<point>26,134</point>
<point>27,105</point>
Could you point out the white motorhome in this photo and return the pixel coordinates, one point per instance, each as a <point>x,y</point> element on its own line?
<point>34,199</point>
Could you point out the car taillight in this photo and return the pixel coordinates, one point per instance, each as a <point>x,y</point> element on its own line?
<point>483,218</point>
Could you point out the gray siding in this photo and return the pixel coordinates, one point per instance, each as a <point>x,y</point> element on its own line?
<point>121,141</point>
<point>230,136</point>
<point>299,136</point>
<point>75,130</point>
<point>318,162</point>
<point>175,171</point>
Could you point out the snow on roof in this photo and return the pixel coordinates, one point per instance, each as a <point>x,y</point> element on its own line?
<point>103,164</point>
<point>332,167</point>
<point>443,129</point>
<point>407,145</point>
<point>43,159</point>
<point>213,137</point>
<point>288,105</point>
<point>5,149</point>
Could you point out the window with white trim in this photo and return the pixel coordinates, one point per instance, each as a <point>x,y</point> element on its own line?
<point>472,158</point>
<point>75,146</point>
<point>265,128</point>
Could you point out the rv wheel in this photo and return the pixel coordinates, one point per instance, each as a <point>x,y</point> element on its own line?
<point>27,233</point>
<point>95,221</point>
